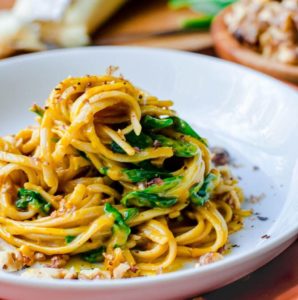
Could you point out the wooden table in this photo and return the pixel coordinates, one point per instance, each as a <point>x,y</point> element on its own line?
<point>140,22</point>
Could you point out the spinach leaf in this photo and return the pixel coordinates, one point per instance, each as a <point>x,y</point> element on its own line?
<point>116,148</point>
<point>167,184</point>
<point>83,154</point>
<point>120,229</point>
<point>200,192</point>
<point>34,199</point>
<point>153,196</point>
<point>183,127</point>
<point>130,213</point>
<point>104,170</point>
<point>69,239</point>
<point>146,165</point>
<point>141,141</point>
<point>37,110</point>
<point>139,175</point>
<point>94,256</point>
<point>145,199</point>
<point>180,148</point>
<point>154,123</point>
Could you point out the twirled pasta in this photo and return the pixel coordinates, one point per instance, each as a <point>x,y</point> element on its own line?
<point>111,173</point>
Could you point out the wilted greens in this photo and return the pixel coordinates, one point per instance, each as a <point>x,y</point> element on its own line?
<point>120,229</point>
<point>209,7</point>
<point>200,192</point>
<point>181,148</point>
<point>150,122</point>
<point>153,196</point>
<point>94,256</point>
<point>142,141</point>
<point>34,199</point>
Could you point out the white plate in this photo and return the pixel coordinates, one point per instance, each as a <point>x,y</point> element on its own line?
<point>253,116</point>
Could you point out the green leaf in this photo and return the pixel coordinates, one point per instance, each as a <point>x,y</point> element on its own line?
<point>183,127</point>
<point>209,7</point>
<point>116,148</point>
<point>155,123</point>
<point>203,22</point>
<point>37,110</point>
<point>55,139</point>
<point>146,165</point>
<point>139,175</point>
<point>69,239</point>
<point>120,229</point>
<point>145,199</point>
<point>130,213</point>
<point>83,154</point>
<point>167,184</point>
<point>153,196</point>
<point>94,256</point>
<point>141,141</point>
<point>180,148</point>
<point>104,170</point>
<point>200,192</point>
<point>34,199</point>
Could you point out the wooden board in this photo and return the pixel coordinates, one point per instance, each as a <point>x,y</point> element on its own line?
<point>145,23</point>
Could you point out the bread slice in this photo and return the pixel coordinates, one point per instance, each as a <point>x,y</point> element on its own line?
<point>21,29</point>
<point>79,21</point>
<point>16,36</point>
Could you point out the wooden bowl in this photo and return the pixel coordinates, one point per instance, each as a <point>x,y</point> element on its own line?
<point>229,48</point>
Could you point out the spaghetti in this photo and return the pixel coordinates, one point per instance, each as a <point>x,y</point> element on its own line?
<point>112,175</point>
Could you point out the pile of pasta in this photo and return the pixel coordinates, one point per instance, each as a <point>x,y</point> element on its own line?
<point>113,176</point>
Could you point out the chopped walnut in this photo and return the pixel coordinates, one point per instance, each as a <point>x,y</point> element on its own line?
<point>28,255</point>
<point>94,274</point>
<point>59,261</point>
<point>39,256</point>
<point>270,27</point>
<point>120,270</point>
<point>46,273</point>
<point>71,274</point>
<point>111,70</point>
<point>256,199</point>
<point>157,181</point>
<point>88,274</point>
<point>134,269</point>
<point>157,144</point>
<point>220,156</point>
<point>209,258</point>
<point>50,273</point>
<point>64,207</point>
<point>12,261</point>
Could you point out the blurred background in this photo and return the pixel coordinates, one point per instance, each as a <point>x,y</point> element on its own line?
<point>261,34</point>
<point>172,24</point>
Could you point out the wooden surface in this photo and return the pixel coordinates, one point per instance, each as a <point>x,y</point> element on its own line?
<point>140,23</point>
<point>146,23</point>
